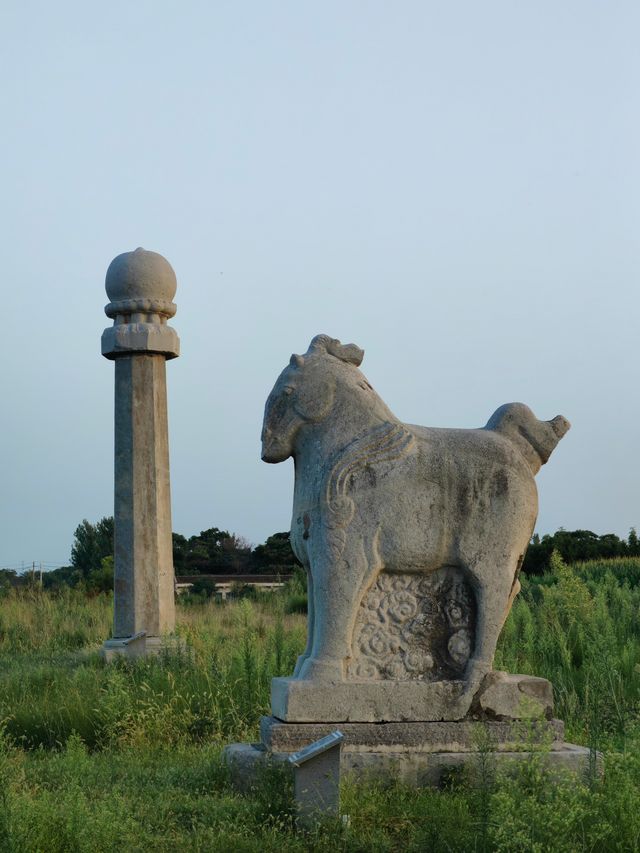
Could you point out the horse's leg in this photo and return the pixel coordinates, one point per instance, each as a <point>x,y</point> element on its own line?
<point>494,588</point>
<point>336,599</point>
<point>310,618</point>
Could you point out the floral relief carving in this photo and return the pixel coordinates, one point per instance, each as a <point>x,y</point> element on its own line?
<point>412,627</point>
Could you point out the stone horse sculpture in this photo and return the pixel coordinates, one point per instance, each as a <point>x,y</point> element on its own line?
<point>412,537</point>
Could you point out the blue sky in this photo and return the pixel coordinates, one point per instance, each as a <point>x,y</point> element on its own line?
<point>454,187</point>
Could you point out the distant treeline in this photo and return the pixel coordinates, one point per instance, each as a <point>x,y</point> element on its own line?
<point>577,545</point>
<point>211,552</point>
<point>218,552</point>
<point>215,551</point>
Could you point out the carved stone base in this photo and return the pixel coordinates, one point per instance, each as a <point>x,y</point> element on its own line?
<point>419,754</point>
<point>302,701</point>
<point>407,729</point>
<point>460,736</point>
<point>501,696</point>
<point>139,646</point>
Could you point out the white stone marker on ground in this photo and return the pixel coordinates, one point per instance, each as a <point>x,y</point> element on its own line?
<point>141,286</point>
<point>316,779</point>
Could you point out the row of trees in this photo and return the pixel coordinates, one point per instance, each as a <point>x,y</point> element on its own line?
<point>215,551</point>
<point>577,545</point>
<point>211,552</point>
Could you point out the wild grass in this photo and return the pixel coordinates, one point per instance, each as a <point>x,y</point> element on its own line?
<point>214,691</point>
<point>579,627</point>
<point>127,756</point>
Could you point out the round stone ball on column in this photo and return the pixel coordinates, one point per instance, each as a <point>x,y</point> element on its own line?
<point>141,286</point>
<point>140,275</point>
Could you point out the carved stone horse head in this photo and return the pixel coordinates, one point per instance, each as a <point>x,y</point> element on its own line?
<point>305,393</point>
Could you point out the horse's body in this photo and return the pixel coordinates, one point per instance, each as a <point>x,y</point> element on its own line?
<point>373,494</point>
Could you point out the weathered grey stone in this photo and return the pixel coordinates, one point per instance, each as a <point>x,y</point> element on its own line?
<point>412,538</point>
<point>461,736</point>
<point>430,769</point>
<point>417,768</point>
<point>140,646</point>
<point>140,337</point>
<point>141,277</point>
<point>316,779</point>
<point>514,697</point>
<point>131,647</point>
<point>308,700</point>
<point>141,286</point>
<point>500,696</point>
<point>247,761</point>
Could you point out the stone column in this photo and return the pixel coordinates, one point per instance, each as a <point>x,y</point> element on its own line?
<point>141,286</point>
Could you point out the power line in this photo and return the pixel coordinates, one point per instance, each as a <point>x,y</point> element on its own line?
<point>26,565</point>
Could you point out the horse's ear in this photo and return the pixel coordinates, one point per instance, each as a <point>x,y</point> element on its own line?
<point>296,360</point>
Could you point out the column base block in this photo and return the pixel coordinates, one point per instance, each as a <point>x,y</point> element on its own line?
<point>140,645</point>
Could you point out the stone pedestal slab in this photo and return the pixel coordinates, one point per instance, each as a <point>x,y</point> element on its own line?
<point>418,756</point>
<point>431,769</point>
<point>461,736</point>
<point>510,715</point>
<point>501,695</point>
<point>308,701</point>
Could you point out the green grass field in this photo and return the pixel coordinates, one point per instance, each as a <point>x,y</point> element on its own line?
<point>127,757</point>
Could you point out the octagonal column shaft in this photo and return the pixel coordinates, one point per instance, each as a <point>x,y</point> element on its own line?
<point>143,565</point>
<point>141,286</point>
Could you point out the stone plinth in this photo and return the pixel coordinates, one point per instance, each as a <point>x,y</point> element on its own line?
<point>501,695</point>
<point>420,769</point>
<point>141,286</point>
<point>432,737</point>
<point>309,701</point>
<point>510,716</point>
<point>140,646</point>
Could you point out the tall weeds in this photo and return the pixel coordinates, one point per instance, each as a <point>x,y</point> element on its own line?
<point>96,757</point>
<point>579,627</point>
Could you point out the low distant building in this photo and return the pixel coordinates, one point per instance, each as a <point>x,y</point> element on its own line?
<point>224,585</point>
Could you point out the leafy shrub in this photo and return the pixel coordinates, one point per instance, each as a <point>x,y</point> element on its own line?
<point>101,580</point>
<point>205,587</point>
<point>296,604</point>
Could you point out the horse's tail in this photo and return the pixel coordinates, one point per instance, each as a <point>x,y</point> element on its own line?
<point>536,440</point>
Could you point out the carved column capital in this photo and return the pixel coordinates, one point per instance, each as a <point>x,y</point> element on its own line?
<point>141,286</point>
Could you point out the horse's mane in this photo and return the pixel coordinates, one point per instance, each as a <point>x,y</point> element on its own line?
<point>349,353</point>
